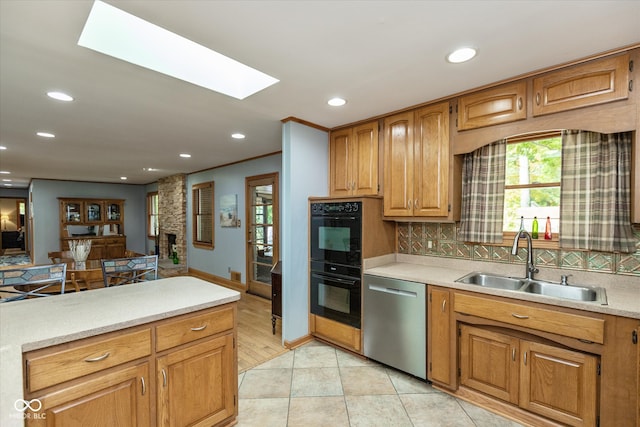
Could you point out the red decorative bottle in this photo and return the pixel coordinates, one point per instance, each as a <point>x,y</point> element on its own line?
<point>547,230</point>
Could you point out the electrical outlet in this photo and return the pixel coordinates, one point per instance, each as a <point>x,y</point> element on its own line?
<point>429,244</point>
<point>228,269</point>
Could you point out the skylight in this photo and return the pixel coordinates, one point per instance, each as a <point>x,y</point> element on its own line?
<point>116,33</point>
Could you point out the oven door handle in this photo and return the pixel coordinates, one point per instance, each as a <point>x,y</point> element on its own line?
<point>349,282</point>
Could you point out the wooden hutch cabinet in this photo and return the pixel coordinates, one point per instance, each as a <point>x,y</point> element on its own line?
<point>99,220</point>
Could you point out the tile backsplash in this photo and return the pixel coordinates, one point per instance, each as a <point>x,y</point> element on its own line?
<point>440,240</point>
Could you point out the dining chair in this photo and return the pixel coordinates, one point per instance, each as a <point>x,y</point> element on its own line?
<point>60,256</point>
<point>36,281</point>
<point>86,279</point>
<point>122,271</point>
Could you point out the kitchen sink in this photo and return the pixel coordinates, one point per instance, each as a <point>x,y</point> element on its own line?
<point>579,293</point>
<point>492,281</point>
<point>538,287</point>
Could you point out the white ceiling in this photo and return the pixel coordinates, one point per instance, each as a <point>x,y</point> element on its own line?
<point>379,55</point>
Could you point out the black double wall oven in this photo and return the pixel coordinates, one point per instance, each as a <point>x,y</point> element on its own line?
<point>336,261</point>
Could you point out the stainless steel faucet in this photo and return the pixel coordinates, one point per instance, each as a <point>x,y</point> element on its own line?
<point>531,268</point>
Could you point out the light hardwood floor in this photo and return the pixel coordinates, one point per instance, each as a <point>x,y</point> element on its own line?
<point>256,343</point>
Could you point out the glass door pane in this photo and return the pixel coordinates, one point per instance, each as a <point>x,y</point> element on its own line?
<point>262,234</point>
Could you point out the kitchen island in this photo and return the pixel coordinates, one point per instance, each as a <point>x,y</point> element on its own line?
<point>39,338</point>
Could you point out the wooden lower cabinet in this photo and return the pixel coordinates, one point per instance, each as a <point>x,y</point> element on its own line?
<point>338,333</point>
<point>554,382</point>
<point>441,361</point>
<point>559,384</point>
<point>108,380</point>
<point>118,398</point>
<point>196,384</point>
<point>489,362</point>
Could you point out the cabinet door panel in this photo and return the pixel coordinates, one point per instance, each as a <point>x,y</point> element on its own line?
<point>340,152</point>
<point>120,398</point>
<point>431,161</point>
<point>398,161</point>
<point>560,384</point>
<point>365,159</point>
<point>489,362</point>
<point>197,385</point>
<point>439,346</point>
<point>591,83</point>
<point>503,104</point>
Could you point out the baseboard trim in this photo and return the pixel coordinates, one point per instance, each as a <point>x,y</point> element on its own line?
<point>298,342</point>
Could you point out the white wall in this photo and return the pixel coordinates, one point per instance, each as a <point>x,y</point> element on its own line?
<point>46,216</point>
<point>230,250</point>
<point>305,168</point>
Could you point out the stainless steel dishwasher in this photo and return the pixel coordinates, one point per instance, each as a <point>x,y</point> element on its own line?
<point>395,323</point>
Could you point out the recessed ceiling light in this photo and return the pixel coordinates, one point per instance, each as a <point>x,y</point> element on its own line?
<point>45,134</point>
<point>461,55</point>
<point>237,136</point>
<point>5,172</point>
<point>8,185</point>
<point>6,180</point>
<point>124,178</point>
<point>116,33</point>
<point>60,96</point>
<point>149,169</point>
<point>185,155</point>
<point>336,102</point>
<point>2,147</point>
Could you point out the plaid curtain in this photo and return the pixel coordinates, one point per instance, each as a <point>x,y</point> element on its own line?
<point>595,192</point>
<point>483,173</point>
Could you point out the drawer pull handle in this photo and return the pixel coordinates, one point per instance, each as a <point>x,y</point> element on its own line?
<point>519,316</point>
<point>144,386</point>
<point>513,354</point>
<point>99,358</point>
<point>538,98</point>
<point>525,358</point>
<point>164,378</point>
<point>200,328</point>
<point>444,304</point>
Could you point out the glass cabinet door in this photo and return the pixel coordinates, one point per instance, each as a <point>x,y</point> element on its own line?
<point>72,211</point>
<point>113,211</point>
<point>94,212</point>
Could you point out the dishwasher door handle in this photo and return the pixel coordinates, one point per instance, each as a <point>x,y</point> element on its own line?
<point>393,291</point>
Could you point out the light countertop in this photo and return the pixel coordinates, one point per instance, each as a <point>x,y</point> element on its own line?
<point>37,323</point>
<point>623,292</point>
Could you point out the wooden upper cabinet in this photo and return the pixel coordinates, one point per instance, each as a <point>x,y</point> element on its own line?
<point>416,159</point>
<point>431,161</point>
<point>398,165</point>
<point>591,83</point>
<point>353,168</point>
<point>502,104</point>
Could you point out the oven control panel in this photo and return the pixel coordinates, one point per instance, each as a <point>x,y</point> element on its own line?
<point>336,208</point>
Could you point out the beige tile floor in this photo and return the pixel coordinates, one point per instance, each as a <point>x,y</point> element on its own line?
<point>318,385</point>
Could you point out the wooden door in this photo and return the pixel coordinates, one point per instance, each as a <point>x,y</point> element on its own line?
<point>398,161</point>
<point>439,355</point>
<point>489,362</point>
<point>198,384</point>
<point>340,160</point>
<point>558,383</point>
<point>364,167</point>
<point>121,398</point>
<point>431,161</point>
<point>262,232</point>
